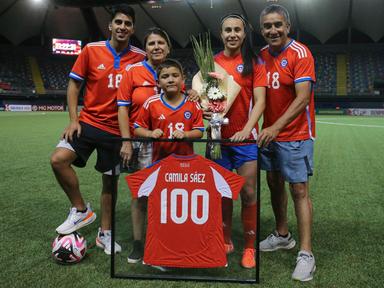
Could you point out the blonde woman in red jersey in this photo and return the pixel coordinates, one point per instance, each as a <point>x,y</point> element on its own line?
<point>100,65</point>
<point>240,61</point>
<point>138,84</point>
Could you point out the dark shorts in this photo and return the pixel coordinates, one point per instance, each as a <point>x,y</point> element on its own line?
<point>234,157</point>
<point>91,138</point>
<point>293,159</point>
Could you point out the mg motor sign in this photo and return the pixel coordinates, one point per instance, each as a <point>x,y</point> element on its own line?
<point>47,107</point>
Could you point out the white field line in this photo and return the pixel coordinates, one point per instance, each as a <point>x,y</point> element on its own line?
<point>328,118</point>
<point>353,125</point>
<point>15,114</point>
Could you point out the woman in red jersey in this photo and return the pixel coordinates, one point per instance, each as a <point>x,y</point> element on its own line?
<point>138,84</point>
<point>239,60</point>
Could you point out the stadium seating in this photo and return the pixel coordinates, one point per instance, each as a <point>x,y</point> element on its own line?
<point>55,71</point>
<point>363,67</point>
<point>185,57</point>
<point>15,75</point>
<point>325,65</point>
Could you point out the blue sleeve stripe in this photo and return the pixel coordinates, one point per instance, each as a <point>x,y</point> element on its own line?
<point>303,79</point>
<point>123,103</point>
<point>202,129</point>
<point>75,76</point>
<point>136,126</point>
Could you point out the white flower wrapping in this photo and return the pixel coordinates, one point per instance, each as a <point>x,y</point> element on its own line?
<point>218,99</point>
<point>227,86</point>
<point>217,89</point>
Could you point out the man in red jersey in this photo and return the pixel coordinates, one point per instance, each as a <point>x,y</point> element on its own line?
<point>100,65</point>
<point>288,134</point>
<point>184,203</point>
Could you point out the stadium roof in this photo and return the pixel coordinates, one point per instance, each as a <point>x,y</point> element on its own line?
<point>88,20</point>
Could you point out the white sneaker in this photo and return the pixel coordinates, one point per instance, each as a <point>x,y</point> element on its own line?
<point>305,266</point>
<point>104,241</point>
<point>76,220</point>
<point>275,242</point>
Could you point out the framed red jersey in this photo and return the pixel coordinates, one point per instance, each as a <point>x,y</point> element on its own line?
<point>184,210</point>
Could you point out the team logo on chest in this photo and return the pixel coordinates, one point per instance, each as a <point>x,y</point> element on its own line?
<point>284,63</point>
<point>240,68</point>
<point>187,115</point>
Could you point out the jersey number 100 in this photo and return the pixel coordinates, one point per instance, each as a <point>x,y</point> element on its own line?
<point>187,201</point>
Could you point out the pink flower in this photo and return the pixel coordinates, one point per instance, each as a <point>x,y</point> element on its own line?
<point>217,106</point>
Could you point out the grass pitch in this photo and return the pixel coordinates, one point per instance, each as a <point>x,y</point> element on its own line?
<point>347,193</point>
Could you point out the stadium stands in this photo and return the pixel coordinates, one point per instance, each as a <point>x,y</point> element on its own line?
<point>325,64</point>
<point>364,66</point>
<point>55,71</point>
<point>185,57</point>
<point>15,74</point>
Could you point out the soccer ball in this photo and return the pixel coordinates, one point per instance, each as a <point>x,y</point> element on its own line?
<point>69,249</point>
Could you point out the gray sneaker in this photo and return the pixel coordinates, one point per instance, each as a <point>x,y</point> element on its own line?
<point>305,267</point>
<point>104,241</point>
<point>275,242</point>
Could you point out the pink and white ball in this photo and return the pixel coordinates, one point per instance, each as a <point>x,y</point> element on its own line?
<point>69,249</point>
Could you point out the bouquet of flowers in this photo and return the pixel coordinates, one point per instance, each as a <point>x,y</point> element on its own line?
<point>212,90</point>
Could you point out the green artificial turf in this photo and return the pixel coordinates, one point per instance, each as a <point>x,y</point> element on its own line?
<point>347,193</point>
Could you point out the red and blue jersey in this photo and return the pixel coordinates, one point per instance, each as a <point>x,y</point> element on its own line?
<point>241,108</point>
<point>292,65</point>
<point>101,67</point>
<point>138,84</point>
<point>157,113</point>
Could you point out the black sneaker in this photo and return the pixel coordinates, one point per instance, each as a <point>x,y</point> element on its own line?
<point>137,252</point>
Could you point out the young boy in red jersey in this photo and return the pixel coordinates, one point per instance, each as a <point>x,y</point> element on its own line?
<point>169,114</point>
